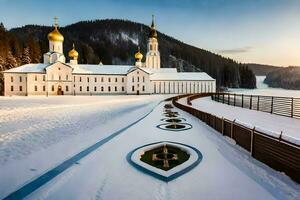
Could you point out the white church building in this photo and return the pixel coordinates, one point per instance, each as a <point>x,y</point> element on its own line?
<point>57,77</point>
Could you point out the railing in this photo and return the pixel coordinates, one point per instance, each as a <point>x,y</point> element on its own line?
<point>284,106</point>
<point>276,152</point>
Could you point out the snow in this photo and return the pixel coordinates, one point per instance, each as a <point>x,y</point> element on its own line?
<point>60,127</point>
<point>267,123</point>
<point>226,171</point>
<point>126,37</point>
<point>37,133</point>
<point>186,76</point>
<point>29,68</point>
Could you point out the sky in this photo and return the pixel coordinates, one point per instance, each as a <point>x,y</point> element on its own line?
<point>249,31</point>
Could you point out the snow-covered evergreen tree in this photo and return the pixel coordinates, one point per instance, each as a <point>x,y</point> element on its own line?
<point>11,61</point>
<point>2,63</point>
<point>26,56</point>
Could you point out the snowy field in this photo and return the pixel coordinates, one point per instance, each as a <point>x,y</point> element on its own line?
<point>266,122</point>
<point>62,127</point>
<point>37,133</point>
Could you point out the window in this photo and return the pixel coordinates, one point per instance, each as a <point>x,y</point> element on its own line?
<point>123,89</point>
<point>44,88</point>
<point>11,79</point>
<point>12,88</point>
<point>143,79</point>
<point>143,88</point>
<point>122,80</point>
<point>67,77</point>
<point>102,88</point>
<point>20,88</point>
<point>132,88</point>
<point>44,78</point>
<point>137,72</point>
<point>20,78</point>
<point>74,79</point>
<point>80,88</point>
<point>35,77</point>
<point>95,79</point>
<point>35,88</point>
<point>116,80</point>
<point>88,79</point>
<point>116,89</point>
<point>138,79</point>
<point>108,79</point>
<point>109,88</point>
<point>52,88</point>
<point>67,88</point>
<point>87,88</point>
<point>102,79</point>
<point>133,79</point>
<point>80,79</point>
<point>95,88</point>
<point>59,77</point>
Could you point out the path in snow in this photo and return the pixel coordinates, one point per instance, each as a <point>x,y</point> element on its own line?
<point>226,171</point>
<point>274,123</point>
<point>38,133</point>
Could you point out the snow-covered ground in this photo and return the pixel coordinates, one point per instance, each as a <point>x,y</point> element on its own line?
<point>266,122</point>
<point>37,133</point>
<point>226,171</point>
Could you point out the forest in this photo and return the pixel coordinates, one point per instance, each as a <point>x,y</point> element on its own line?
<point>114,41</point>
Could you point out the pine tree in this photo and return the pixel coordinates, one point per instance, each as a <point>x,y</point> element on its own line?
<point>26,56</point>
<point>11,61</point>
<point>1,64</point>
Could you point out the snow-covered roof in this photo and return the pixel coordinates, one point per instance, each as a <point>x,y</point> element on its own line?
<point>164,70</point>
<point>181,76</point>
<point>29,68</point>
<point>101,69</point>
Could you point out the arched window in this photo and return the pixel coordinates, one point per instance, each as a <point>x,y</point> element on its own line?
<point>102,89</point>
<point>109,88</point>
<point>95,88</point>
<point>87,88</point>
<point>52,88</point>
<point>67,88</point>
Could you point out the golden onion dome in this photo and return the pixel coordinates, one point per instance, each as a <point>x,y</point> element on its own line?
<point>55,36</point>
<point>73,53</point>
<point>138,55</point>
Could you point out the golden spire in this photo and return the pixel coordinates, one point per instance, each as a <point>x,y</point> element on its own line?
<point>73,53</point>
<point>138,56</point>
<point>55,35</point>
<point>152,33</point>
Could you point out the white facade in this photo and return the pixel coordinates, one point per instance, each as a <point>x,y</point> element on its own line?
<point>56,77</point>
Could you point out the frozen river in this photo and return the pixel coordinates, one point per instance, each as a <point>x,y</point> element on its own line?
<point>263,89</point>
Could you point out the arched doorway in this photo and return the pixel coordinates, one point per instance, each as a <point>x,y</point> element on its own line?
<point>59,91</point>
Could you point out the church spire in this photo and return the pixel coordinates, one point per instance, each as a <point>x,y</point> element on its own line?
<point>152,33</point>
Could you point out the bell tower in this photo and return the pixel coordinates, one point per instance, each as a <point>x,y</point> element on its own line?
<point>153,55</point>
<point>56,40</point>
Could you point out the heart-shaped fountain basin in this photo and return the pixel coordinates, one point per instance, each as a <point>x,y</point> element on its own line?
<point>165,160</point>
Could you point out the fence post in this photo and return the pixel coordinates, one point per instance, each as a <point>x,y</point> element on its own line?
<point>234,99</point>
<point>252,144</point>
<point>222,125</point>
<point>258,103</point>
<point>251,102</point>
<point>223,97</point>
<point>231,130</point>
<point>272,102</point>
<point>292,107</point>
<point>242,101</point>
<point>228,98</point>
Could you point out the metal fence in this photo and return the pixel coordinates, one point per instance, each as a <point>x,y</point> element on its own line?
<point>284,106</point>
<point>278,153</point>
